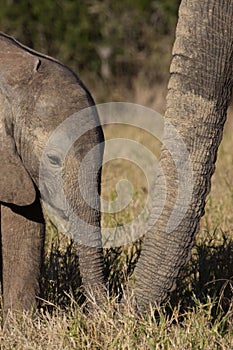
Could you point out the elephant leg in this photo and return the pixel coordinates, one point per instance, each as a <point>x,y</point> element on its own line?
<point>22,237</point>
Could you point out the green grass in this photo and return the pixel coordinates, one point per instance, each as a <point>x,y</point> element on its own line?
<point>199,313</point>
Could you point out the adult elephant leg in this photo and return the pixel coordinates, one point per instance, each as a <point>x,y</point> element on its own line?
<point>22,237</point>
<point>200,88</point>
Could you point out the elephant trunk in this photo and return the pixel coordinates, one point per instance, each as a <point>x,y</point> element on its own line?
<point>90,252</point>
<point>91,268</point>
<point>83,194</point>
<point>199,92</point>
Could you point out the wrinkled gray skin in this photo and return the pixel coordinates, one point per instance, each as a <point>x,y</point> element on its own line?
<point>37,94</point>
<point>200,88</point>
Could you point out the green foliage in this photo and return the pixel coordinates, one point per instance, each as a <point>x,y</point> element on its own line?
<point>131,32</point>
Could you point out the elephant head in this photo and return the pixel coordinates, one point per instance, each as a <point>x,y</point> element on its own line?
<point>37,95</point>
<point>199,92</point>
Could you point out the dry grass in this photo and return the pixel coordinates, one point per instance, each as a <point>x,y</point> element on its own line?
<point>109,328</point>
<point>199,314</point>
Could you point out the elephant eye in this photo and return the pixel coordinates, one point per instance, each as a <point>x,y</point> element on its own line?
<point>54,159</point>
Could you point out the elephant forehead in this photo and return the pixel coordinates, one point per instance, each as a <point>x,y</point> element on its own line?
<point>50,109</point>
<point>44,144</point>
<point>40,139</point>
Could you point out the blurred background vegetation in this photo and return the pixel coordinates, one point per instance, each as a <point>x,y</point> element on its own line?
<point>110,44</point>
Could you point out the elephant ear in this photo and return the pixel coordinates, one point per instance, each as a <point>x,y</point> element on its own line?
<point>16,185</point>
<point>17,67</point>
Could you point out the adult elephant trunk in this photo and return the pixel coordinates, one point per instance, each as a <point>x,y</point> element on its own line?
<point>200,88</point>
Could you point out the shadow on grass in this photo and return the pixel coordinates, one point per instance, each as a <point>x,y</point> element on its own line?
<point>61,281</point>
<point>119,265</point>
<point>208,276</point>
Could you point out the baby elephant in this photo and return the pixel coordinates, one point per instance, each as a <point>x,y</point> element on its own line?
<point>51,147</point>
